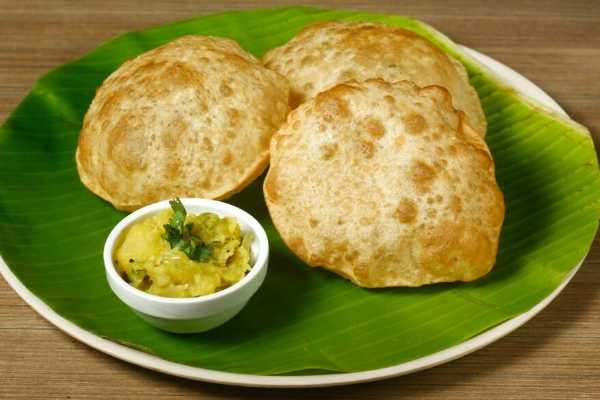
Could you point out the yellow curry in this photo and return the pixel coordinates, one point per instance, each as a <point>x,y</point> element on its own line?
<point>174,254</point>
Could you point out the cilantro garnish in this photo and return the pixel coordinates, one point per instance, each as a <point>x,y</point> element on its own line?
<point>180,236</point>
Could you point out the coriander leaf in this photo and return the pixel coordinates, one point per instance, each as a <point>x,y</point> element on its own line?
<point>179,213</point>
<point>179,234</point>
<point>202,253</point>
<point>172,235</point>
<point>188,228</point>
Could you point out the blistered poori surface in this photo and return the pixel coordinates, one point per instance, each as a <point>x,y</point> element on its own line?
<point>325,54</point>
<point>191,118</point>
<point>385,184</point>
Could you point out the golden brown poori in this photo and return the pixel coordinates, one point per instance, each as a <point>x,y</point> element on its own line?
<point>192,118</point>
<point>327,53</point>
<point>385,184</point>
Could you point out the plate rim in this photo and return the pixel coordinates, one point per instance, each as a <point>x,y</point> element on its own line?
<point>146,360</point>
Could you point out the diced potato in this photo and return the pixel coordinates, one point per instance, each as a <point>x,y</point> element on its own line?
<point>148,263</point>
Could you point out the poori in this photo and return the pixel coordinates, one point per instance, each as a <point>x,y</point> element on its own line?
<point>325,54</point>
<point>192,118</point>
<point>385,184</point>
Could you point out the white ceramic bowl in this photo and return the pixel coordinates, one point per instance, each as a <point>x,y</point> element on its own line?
<point>195,314</point>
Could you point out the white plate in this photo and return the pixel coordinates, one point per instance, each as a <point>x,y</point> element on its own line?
<point>148,361</point>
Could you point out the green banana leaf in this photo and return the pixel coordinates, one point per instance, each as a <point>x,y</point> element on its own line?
<point>52,229</point>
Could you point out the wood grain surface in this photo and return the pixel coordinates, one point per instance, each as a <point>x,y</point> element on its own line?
<point>556,44</point>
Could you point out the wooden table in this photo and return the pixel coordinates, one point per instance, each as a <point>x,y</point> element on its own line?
<point>555,356</point>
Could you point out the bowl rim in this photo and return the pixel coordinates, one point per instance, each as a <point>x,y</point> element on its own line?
<point>260,259</point>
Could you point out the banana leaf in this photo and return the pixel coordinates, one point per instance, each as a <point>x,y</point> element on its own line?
<point>52,229</point>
